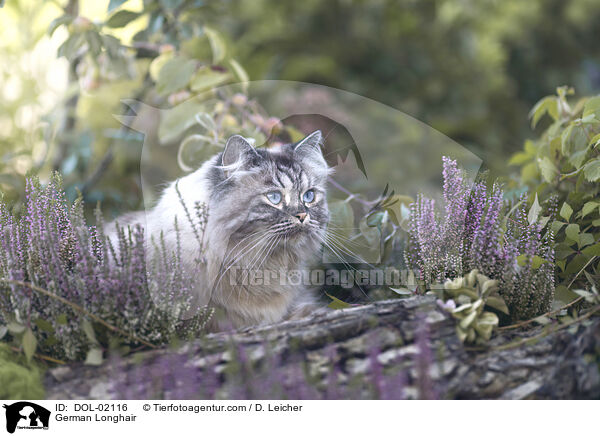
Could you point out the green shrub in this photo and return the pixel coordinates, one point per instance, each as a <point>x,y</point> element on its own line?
<point>19,380</point>
<point>565,162</point>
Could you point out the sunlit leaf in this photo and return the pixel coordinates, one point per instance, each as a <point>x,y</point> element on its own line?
<point>534,211</point>
<point>548,169</point>
<point>206,78</point>
<point>121,18</point>
<point>57,22</point>
<point>44,325</point>
<point>217,44</point>
<point>94,357</point>
<point>29,343</point>
<point>572,232</point>
<point>591,170</point>
<point>336,303</point>
<point>588,208</point>
<point>175,74</point>
<point>240,73</point>
<point>566,211</point>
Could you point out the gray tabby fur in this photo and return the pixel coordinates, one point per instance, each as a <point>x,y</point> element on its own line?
<point>244,229</point>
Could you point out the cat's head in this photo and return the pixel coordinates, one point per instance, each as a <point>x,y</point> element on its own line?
<point>278,195</point>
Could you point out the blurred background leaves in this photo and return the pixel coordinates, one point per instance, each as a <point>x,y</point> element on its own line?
<point>470,69</point>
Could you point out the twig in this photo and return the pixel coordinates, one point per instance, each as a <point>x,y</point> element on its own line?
<point>529,321</point>
<point>580,271</point>
<point>350,194</point>
<point>546,333</point>
<point>78,309</point>
<point>42,357</point>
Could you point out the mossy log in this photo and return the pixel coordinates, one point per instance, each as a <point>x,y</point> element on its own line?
<point>560,365</point>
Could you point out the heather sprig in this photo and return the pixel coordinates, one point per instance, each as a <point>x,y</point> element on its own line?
<point>478,229</point>
<point>49,246</point>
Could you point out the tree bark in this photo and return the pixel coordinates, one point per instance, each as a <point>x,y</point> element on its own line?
<point>561,365</point>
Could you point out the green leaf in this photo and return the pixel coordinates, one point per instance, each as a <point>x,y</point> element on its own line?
<point>206,78</point>
<point>564,295</point>
<point>595,140</point>
<point>72,44</point>
<point>583,293</point>
<point>94,42</point>
<point>15,328</point>
<point>158,63</point>
<point>336,303</point>
<point>566,211</point>
<point>497,303</point>
<point>548,169</point>
<point>591,170</point>
<point>57,22</point>
<point>61,319</point>
<point>114,4</point>
<point>29,343</point>
<point>121,18</point>
<point>589,208</point>
<point>534,211</point>
<point>50,341</point>
<point>543,320</point>
<point>44,325</point>
<point>217,44</point>
<point>94,357</point>
<point>585,239</point>
<point>240,73</point>
<point>591,251</point>
<point>535,261</point>
<point>545,105</point>
<point>402,291</point>
<point>572,232</point>
<point>556,226</point>
<point>88,329</point>
<point>519,158</point>
<point>592,107</point>
<point>177,120</point>
<point>175,74</point>
<point>3,331</point>
<point>370,233</point>
<point>566,144</point>
<point>468,320</point>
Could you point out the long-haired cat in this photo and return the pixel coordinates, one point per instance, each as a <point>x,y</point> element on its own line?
<point>267,213</point>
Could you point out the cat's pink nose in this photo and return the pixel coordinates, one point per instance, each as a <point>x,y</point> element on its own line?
<point>301,216</point>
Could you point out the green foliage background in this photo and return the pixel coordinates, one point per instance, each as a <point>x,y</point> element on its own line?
<point>471,69</point>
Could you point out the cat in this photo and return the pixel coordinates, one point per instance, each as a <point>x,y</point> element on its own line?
<point>267,211</point>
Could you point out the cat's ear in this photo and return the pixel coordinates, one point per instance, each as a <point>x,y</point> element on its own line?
<point>309,150</point>
<point>311,143</point>
<point>237,152</point>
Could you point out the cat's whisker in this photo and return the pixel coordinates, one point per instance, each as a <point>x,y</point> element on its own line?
<point>258,240</point>
<point>248,268</point>
<point>349,252</point>
<point>346,264</point>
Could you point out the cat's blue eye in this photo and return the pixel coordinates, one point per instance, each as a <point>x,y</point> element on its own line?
<point>309,196</point>
<point>274,197</point>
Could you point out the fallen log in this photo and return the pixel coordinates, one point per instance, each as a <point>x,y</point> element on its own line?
<point>560,365</point>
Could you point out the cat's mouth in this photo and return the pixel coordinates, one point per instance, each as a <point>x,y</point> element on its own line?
<point>295,230</point>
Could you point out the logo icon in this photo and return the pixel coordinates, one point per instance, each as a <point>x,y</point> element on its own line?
<point>26,415</point>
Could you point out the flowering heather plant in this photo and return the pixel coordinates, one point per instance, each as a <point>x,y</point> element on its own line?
<point>65,293</point>
<point>480,230</point>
